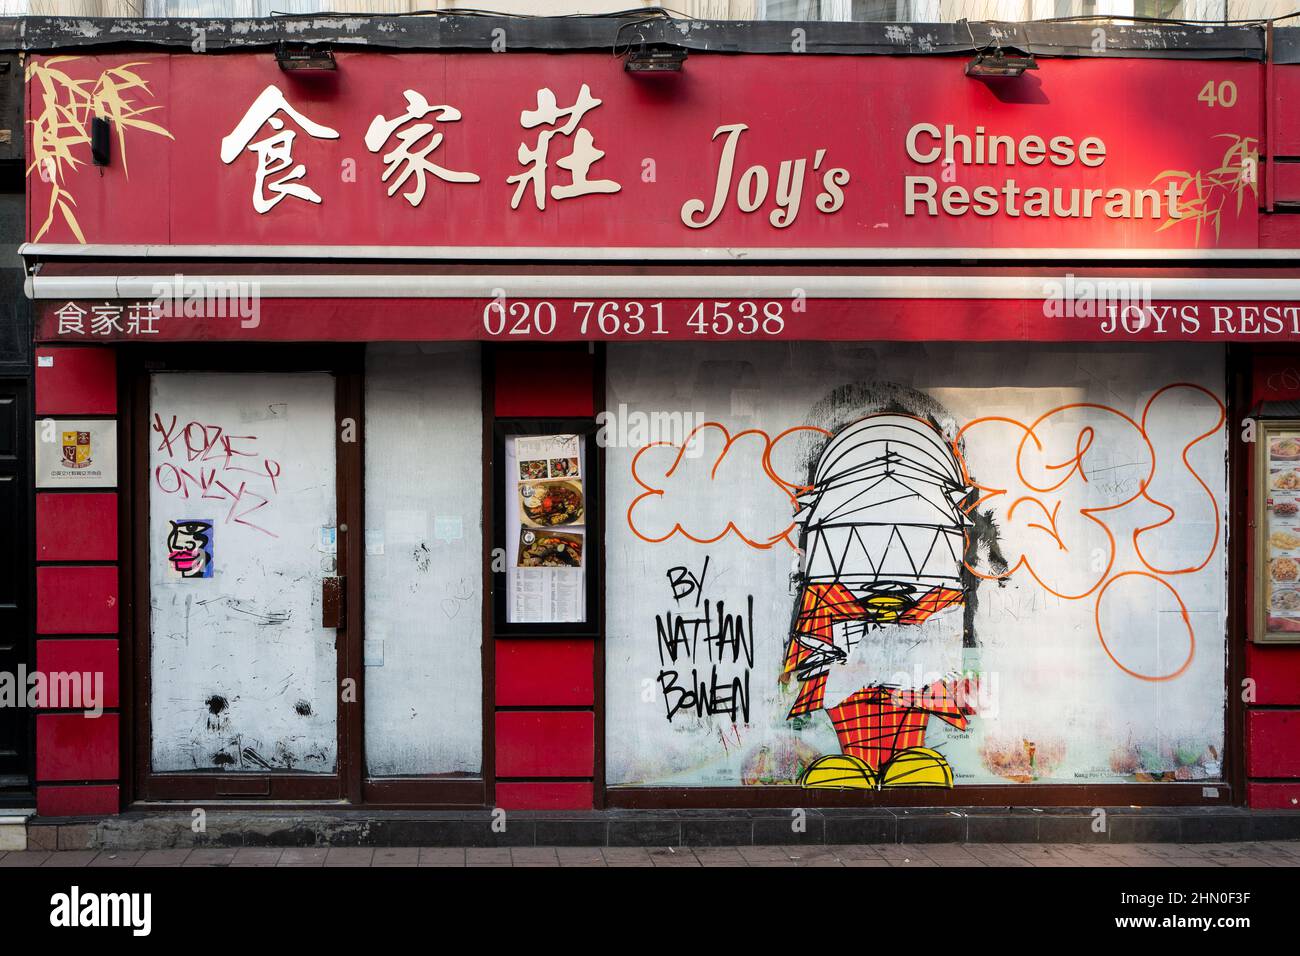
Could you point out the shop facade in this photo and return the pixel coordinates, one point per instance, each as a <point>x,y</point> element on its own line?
<point>453,428</point>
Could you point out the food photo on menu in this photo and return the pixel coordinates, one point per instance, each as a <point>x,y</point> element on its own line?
<point>544,504</point>
<point>529,470</point>
<point>550,549</point>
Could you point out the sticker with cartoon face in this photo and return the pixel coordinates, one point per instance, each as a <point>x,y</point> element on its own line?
<point>189,547</point>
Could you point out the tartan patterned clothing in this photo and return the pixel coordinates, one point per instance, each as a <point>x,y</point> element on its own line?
<point>812,694</point>
<point>931,602</point>
<point>877,722</point>
<point>823,605</point>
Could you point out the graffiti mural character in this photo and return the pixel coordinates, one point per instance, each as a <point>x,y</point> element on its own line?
<point>189,547</point>
<point>882,590</point>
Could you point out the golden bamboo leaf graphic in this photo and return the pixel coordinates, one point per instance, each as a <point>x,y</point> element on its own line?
<point>1203,194</point>
<point>60,129</point>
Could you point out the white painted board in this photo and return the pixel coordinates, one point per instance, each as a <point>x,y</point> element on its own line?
<point>424,559</point>
<point>1095,668</point>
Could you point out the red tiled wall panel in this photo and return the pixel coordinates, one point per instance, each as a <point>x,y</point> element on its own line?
<point>1273,796</point>
<point>1276,673</point>
<point>545,744</point>
<point>76,381</point>
<point>1273,745</point>
<point>542,795</point>
<point>77,801</point>
<point>76,747</point>
<point>76,600</point>
<point>97,658</point>
<point>545,673</point>
<point>76,527</point>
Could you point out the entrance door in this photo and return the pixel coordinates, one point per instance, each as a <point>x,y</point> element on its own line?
<point>245,648</point>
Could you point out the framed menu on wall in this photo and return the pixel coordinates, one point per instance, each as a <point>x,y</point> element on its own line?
<point>1277,532</point>
<point>545,526</point>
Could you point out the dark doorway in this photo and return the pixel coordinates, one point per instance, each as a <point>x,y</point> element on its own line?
<point>16,583</point>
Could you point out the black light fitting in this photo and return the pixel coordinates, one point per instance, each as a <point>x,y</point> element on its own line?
<point>305,57</point>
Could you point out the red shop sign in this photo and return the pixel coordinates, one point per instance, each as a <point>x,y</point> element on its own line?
<point>519,152</point>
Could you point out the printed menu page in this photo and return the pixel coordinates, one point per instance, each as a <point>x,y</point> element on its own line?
<point>1282,528</point>
<point>546,530</point>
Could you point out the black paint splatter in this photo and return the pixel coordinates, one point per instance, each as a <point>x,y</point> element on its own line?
<point>252,756</point>
<point>983,537</point>
<point>422,556</point>
<point>222,759</point>
<point>302,708</point>
<point>216,704</point>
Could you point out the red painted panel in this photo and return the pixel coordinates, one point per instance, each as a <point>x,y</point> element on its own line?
<point>76,527</point>
<point>1279,230</point>
<point>77,801</point>
<point>544,796</point>
<point>1274,744</point>
<point>545,673</point>
<point>545,743</point>
<point>569,391</point>
<point>1276,672</point>
<point>1286,182</point>
<point>81,381</point>
<point>1286,124</point>
<point>76,747</point>
<point>98,658</point>
<point>1275,375</point>
<point>1268,796</point>
<point>76,600</point>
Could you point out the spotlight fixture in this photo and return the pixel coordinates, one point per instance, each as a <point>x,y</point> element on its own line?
<point>101,134</point>
<point>654,58</point>
<point>1000,63</point>
<point>305,57</point>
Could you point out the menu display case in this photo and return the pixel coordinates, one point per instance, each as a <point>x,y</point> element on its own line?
<point>546,529</point>
<point>1277,532</point>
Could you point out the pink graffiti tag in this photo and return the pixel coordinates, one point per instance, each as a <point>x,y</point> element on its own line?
<point>214,452</point>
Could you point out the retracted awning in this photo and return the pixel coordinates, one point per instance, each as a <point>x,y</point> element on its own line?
<point>85,299</point>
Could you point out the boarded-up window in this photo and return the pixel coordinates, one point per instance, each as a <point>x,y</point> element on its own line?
<point>424,560</point>
<point>861,565</point>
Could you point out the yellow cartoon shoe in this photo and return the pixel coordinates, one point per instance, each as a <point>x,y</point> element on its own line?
<point>839,772</point>
<point>916,767</point>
